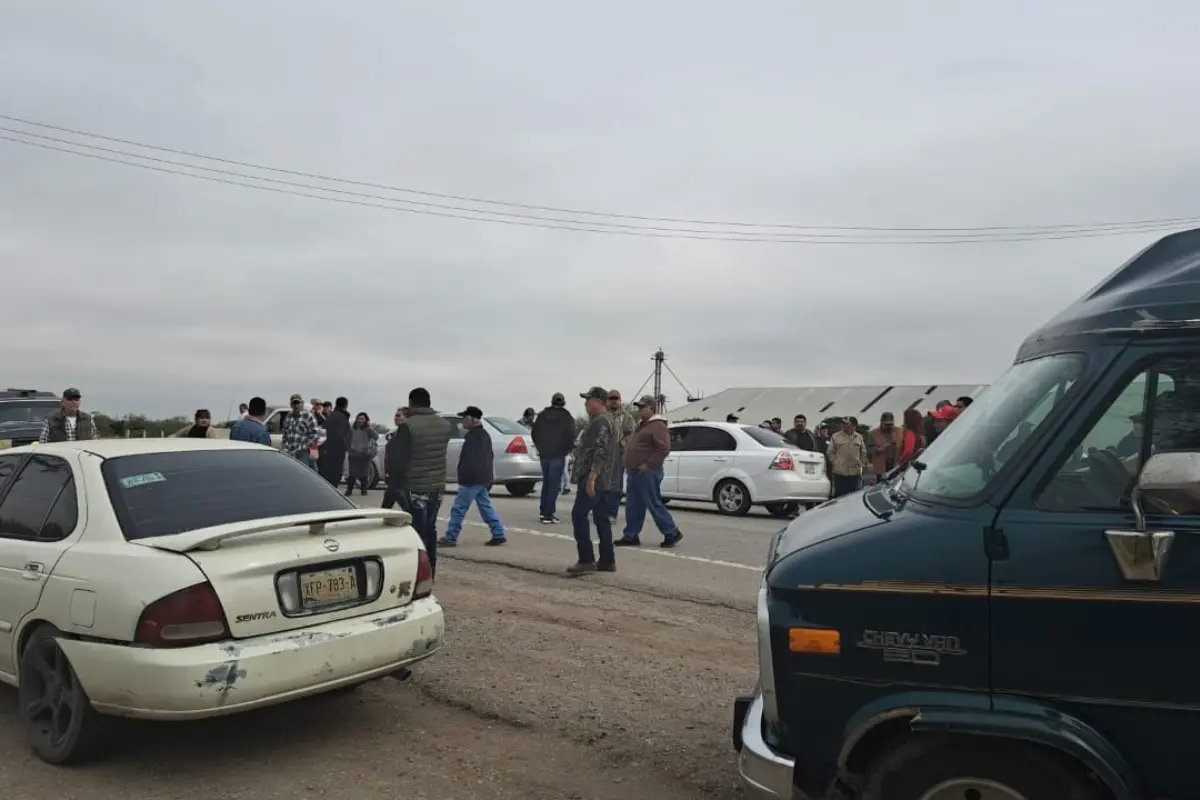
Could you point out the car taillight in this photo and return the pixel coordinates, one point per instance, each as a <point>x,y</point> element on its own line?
<point>189,616</point>
<point>424,585</point>
<point>783,461</point>
<point>517,445</point>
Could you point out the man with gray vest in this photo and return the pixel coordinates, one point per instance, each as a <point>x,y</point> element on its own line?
<point>68,423</point>
<point>419,453</point>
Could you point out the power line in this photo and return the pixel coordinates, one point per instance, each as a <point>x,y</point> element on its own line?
<point>553,224</point>
<point>1136,225</point>
<point>557,221</point>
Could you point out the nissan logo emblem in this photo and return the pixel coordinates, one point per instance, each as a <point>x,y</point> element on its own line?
<point>331,545</point>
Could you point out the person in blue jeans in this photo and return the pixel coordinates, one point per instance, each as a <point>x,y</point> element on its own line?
<point>648,448</point>
<point>475,475</point>
<point>553,435</point>
<point>626,425</point>
<point>594,474</point>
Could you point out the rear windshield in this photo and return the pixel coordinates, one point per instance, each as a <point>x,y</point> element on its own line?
<point>766,438</point>
<point>161,494</point>
<point>507,426</point>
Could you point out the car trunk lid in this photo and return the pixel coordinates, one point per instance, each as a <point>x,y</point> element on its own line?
<point>280,574</point>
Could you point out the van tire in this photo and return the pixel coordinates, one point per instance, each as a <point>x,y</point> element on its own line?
<point>85,733</point>
<point>919,764</point>
<point>732,498</point>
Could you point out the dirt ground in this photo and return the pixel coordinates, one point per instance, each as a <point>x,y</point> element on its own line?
<point>593,688</point>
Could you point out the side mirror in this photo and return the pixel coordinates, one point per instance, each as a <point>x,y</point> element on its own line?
<point>1142,554</point>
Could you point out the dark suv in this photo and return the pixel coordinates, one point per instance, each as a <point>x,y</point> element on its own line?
<point>22,412</point>
<point>1015,614</point>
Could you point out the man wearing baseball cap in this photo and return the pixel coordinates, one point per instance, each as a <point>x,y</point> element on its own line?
<point>475,476</point>
<point>594,472</point>
<point>300,433</point>
<point>553,435</point>
<point>68,423</point>
<point>647,449</point>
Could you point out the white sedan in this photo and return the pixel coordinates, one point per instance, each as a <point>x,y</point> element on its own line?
<point>175,579</point>
<point>739,466</point>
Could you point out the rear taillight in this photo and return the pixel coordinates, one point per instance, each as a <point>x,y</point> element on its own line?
<point>517,445</point>
<point>783,460</point>
<point>189,616</point>
<point>424,585</point>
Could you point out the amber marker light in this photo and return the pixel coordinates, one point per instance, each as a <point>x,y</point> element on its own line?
<point>819,641</point>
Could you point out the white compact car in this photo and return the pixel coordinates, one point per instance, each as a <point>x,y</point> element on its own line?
<point>174,579</point>
<point>739,466</point>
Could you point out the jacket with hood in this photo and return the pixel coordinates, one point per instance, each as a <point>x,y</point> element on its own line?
<point>554,432</point>
<point>337,431</point>
<point>649,445</point>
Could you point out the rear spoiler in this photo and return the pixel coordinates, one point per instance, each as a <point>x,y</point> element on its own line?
<point>210,538</point>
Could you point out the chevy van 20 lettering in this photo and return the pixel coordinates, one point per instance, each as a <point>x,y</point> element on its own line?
<point>912,648</point>
<point>258,616</point>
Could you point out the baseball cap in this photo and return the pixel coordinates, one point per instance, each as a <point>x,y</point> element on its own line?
<point>471,411</point>
<point>296,398</point>
<point>557,399</point>
<point>645,400</point>
<point>595,393</point>
<point>731,417</point>
<point>71,394</point>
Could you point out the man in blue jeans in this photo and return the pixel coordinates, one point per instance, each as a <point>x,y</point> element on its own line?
<point>626,424</point>
<point>475,476</point>
<point>648,448</point>
<point>595,472</point>
<point>553,435</point>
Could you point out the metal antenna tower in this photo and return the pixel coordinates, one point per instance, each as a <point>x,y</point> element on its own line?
<point>660,364</point>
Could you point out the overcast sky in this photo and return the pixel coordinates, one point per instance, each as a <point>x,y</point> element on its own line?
<point>159,294</point>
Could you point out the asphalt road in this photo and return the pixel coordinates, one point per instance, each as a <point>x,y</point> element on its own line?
<point>611,686</point>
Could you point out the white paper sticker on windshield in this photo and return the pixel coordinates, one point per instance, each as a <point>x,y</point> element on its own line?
<point>141,480</point>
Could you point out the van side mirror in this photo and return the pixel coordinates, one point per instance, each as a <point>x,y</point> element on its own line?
<point>1142,554</point>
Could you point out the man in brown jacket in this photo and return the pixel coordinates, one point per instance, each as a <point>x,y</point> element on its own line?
<point>645,452</point>
<point>886,442</point>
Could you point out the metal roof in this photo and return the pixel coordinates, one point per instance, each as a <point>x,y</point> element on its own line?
<point>753,405</point>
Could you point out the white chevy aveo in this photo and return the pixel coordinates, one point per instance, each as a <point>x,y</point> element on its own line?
<point>174,579</point>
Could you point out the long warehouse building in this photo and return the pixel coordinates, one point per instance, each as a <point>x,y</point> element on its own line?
<point>753,405</point>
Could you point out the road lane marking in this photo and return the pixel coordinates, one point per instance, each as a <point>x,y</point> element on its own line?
<point>716,562</point>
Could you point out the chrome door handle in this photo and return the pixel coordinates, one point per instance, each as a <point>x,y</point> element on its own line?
<point>720,458</point>
<point>33,571</point>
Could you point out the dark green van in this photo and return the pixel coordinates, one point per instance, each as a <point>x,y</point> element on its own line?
<point>1016,614</point>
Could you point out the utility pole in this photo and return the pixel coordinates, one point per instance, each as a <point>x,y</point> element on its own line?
<point>660,360</point>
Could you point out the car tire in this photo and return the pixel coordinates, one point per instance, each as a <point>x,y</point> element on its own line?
<point>732,498</point>
<point>520,488</point>
<point>942,766</point>
<point>782,510</point>
<point>55,712</point>
<point>372,475</point>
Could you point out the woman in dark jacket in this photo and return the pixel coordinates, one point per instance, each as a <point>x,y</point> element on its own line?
<point>364,444</point>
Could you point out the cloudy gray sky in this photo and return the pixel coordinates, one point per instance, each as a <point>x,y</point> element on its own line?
<point>157,293</point>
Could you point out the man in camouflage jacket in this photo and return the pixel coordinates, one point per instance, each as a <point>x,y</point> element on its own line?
<point>625,426</point>
<point>595,473</point>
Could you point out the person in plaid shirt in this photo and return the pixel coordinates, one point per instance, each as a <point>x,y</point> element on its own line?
<point>300,433</point>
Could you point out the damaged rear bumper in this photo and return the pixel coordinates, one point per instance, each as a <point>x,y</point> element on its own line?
<point>242,674</point>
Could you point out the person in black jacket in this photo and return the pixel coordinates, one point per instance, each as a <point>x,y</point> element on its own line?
<point>397,454</point>
<point>331,458</point>
<point>474,481</point>
<point>554,437</point>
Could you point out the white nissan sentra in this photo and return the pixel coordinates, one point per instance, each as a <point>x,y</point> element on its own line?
<point>174,579</point>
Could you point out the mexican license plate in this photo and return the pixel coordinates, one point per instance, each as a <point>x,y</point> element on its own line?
<point>328,587</point>
<point>810,469</point>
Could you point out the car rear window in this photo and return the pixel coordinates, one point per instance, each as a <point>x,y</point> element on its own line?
<point>162,494</point>
<point>507,426</point>
<point>766,438</point>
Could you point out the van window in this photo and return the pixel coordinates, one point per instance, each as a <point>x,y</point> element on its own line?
<point>1099,471</point>
<point>962,461</point>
